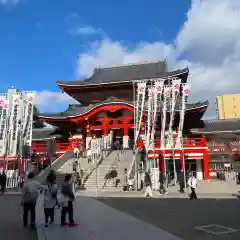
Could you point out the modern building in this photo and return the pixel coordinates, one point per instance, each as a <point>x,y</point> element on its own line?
<point>228,106</point>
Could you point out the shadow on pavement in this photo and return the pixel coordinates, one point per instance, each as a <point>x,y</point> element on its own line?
<point>11,226</point>
<point>180,216</point>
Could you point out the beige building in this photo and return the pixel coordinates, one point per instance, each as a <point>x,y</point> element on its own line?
<point>228,106</point>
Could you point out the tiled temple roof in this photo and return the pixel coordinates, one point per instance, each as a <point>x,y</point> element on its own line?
<point>77,109</point>
<point>211,126</point>
<point>127,73</point>
<point>43,133</point>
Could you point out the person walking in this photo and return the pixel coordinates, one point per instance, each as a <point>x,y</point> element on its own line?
<point>192,183</point>
<point>141,177</point>
<point>181,181</point>
<point>30,193</point>
<point>162,181</point>
<point>67,203</point>
<point>148,185</point>
<point>3,181</point>
<point>50,199</point>
<point>125,180</point>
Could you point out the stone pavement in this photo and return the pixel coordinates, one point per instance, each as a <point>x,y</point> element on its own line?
<point>11,226</point>
<point>185,218</point>
<point>213,189</point>
<point>97,221</point>
<point>127,215</point>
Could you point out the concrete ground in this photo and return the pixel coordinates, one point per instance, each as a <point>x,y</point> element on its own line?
<point>11,226</point>
<point>181,216</point>
<point>211,189</point>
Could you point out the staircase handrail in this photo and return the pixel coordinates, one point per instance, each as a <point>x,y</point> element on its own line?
<point>132,166</point>
<point>113,166</point>
<point>98,163</point>
<point>41,177</point>
<point>115,162</point>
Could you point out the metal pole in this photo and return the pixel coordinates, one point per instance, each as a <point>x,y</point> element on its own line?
<point>184,170</point>
<point>135,137</point>
<point>96,166</point>
<point>20,148</point>
<point>174,168</point>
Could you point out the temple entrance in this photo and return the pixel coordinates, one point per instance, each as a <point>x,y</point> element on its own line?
<point>131,135</point>
<point>117,138</point>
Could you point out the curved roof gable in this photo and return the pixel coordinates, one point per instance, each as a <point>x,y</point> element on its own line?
<point>78,110</point>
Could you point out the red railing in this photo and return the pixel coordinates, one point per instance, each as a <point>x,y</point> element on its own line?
<point>187,142</point>
<point>42,147</point>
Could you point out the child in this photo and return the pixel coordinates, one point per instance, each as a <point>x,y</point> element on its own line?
<point>50,199</point>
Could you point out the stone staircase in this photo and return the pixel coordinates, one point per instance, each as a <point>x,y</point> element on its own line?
<point>68,168</point>
<point>117,160</point>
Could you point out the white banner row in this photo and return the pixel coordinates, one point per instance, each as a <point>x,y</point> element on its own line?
<point>16,119</point>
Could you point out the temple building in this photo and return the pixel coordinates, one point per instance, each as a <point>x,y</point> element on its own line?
<point>106,109</point>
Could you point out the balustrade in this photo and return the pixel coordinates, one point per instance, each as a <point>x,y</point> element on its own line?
<point>187,142</point>
<point>42,147</point>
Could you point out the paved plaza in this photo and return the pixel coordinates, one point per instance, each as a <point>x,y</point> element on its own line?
<point>97,221</point>
<point>181,216</point>
<point>120,215</point>
<point>11,226</point>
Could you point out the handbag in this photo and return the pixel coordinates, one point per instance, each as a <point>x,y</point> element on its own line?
<point>53,194</point>
<point>62,200</point>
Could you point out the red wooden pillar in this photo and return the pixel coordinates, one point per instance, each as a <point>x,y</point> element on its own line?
<point>125,128</point>
<point>161,162</point>
<point>206,165</point>
<point>88,130</point>
<point>105,122</point>
<point>182,159</point>
<point>206,174</point>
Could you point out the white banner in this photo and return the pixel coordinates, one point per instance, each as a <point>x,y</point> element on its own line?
<point>176,84</point>
<point>4,106</point>
<point>166,92</point>
<point>157,105</point>
<point>14,126</point>
<point>151,93</point>
<point>141,91</point>
<point>185,93</point>
<point>28,117</point>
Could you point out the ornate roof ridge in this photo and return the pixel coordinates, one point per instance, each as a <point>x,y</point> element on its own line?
<point>130,64</point>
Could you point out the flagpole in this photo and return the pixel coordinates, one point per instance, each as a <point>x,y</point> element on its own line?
<point>184,169</point>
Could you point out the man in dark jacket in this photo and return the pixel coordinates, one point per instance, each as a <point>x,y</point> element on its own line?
<point>3,181</point>
<point>67,192</point>
<point>181,181</point>
<point>162,181</point>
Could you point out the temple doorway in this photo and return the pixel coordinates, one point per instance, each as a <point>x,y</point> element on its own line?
<point>131,134</point>
<point>117,138</point>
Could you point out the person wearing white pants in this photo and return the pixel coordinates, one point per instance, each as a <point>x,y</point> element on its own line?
<point>148,185</point>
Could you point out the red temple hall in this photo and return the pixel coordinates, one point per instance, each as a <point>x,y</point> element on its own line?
<point>106,103</point>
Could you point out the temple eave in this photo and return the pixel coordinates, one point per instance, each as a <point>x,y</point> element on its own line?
<point>87,83</point>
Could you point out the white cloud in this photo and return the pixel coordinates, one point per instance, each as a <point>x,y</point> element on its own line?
<point>47,101</point>
<point>209,43</point>
<point>98,55</point>
<point>9,2</point>
<point>86,31</point>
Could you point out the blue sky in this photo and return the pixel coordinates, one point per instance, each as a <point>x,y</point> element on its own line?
<point>42,41</point>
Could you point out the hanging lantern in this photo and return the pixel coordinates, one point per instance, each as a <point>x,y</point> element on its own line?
<point>88,128</point>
